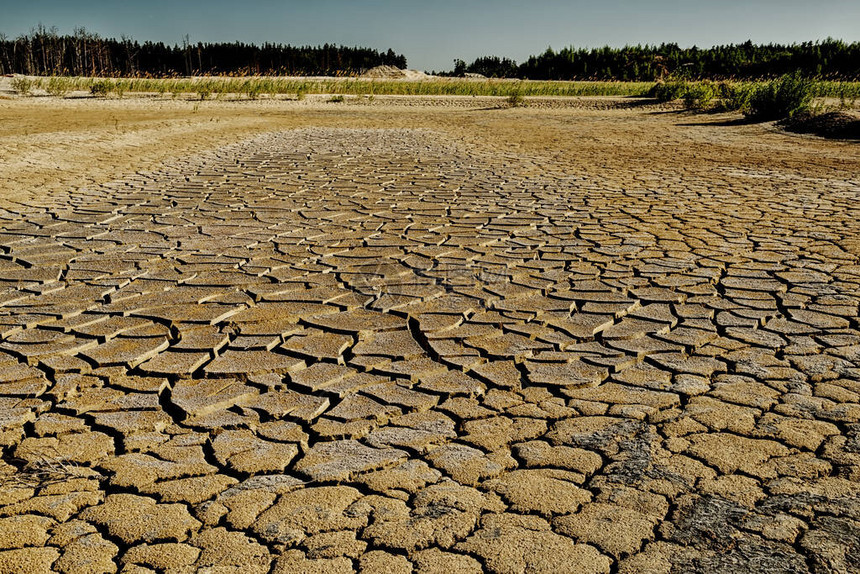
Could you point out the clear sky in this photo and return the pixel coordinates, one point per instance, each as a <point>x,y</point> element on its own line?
<point>431,33</point>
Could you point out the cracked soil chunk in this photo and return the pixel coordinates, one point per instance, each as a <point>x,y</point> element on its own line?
<point>511,544</point>
<point>24,530</point>
<point>165,556</point>
<point>224,549</point>
<point>465,464</point>
<point>137,519</point>
<point>309,511</point>
<point>729,453</point>
<point>27,560</point>
<point>442,514</point>
<point>340,460</point>
<point>544,491</point>
<point>615,530</point>
<point>435,561</point>
<point>90,554</point>
<point>295,562</point>
<point>379,561</point>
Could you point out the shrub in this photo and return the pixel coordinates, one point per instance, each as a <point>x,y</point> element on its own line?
<point>22,86</point>
<point>100,88</point>
<point>336,99</point>
<point>515,100</point>
<point>668,91</point>
<point>734,96</point>
<point>698,95</point>
<point>58,87</point>
<point>781,98</point>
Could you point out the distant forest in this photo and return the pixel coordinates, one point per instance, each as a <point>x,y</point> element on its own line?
<point>830,59</point>
<point>44,52</point>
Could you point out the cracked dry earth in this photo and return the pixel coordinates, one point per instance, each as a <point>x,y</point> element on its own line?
<point>380,350</point>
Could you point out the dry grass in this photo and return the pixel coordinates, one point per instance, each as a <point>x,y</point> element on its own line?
<point>254,87</point>
<point>45,471</point>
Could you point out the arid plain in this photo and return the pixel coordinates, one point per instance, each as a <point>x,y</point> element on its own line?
<point>425,335</point>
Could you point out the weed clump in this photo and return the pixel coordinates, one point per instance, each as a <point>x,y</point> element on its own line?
<point>253,89</point>
<point>734,96</point>
<point>771,100</point>
<point>696,95</point>
<point>699,95</point>
<point>782,98</point>
<point>338,99</point>
<point>176,90</point>
<point>100,88</point>
<point>58,87</point>
<point>23,86</point>
<point>670,90</point>
<point>516,100</point>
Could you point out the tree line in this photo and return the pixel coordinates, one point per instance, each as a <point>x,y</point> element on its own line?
<point>45,52</point>
<point>829,59</point>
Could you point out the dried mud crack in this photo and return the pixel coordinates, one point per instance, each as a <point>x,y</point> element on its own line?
<point>384,350</point>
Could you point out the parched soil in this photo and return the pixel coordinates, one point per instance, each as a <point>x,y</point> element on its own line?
<point>372,336</point>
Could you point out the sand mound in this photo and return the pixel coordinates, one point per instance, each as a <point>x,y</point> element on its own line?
<point>393,73</point>
<point>386,72</point>
<point>416,75</point>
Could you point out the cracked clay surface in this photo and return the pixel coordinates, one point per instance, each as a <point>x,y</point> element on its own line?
<point>382,350</point>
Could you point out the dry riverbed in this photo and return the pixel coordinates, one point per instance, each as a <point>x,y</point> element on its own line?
<point>376,336</point>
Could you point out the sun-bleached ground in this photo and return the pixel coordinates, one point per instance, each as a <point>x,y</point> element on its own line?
<point>379,336</point>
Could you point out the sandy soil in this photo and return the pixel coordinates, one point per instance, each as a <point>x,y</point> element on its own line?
<point>49,144</point>
<point>383,337</point>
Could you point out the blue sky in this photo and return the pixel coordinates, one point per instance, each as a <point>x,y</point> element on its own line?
<point>431,33</point>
